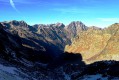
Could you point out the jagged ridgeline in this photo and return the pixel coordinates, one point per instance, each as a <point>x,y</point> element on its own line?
<point>93,43</point>
<point>51,38</point>
<point>57,52</point>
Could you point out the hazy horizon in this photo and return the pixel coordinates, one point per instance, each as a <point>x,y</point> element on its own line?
<point>100,13</point>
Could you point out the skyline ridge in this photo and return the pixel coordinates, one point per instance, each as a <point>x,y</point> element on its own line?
<point>93,12</point>
<point>59,22</point>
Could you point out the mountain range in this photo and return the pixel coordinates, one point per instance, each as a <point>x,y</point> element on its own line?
<point>58,52</point>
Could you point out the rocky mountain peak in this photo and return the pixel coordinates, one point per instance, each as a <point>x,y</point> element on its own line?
<point>60,25</point>
<point>19,23</point>
<point>75,27</point>
<point>77,24</point>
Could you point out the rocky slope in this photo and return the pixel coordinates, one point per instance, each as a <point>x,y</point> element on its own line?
<point>36,52</point>
<point>93,43</point>
<point>54,33</point>
<point>51,38</point>
<point>19,62</point>
<point>97,44</point>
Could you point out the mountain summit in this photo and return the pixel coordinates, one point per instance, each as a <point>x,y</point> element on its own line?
<point>76,27</point>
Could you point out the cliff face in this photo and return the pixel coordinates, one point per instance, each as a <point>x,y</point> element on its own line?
<point>97,44</point>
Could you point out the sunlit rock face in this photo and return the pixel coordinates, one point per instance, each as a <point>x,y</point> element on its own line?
<point>75,27</point>
<point>97,44</point>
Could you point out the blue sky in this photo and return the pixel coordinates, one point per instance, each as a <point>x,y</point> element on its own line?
<point>101,13</point>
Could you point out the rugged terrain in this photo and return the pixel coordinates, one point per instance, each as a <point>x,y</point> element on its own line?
<point>97,44</point>
<point>37,52</point>
<point>51,38</point>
